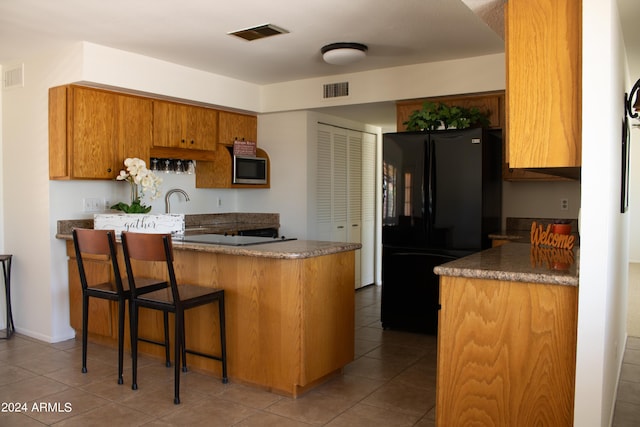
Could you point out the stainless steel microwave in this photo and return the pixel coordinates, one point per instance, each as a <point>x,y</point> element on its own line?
<point>249,170</point>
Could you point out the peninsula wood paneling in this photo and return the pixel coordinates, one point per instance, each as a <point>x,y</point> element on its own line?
<point>289,322</point>
<point>506,353</point>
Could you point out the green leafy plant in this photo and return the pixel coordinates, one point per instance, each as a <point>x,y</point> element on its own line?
<point>134,207</point>
<point>434,115</point>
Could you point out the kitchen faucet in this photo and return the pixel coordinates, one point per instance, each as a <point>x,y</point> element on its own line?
<point>169,193</point>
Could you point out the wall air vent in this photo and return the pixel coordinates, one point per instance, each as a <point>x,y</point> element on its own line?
<point>13,77</point>
<point>335,90</point>
<point>259,32</point>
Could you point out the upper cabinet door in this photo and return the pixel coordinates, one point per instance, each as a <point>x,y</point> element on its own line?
<point>544,80</point>
<point>167,124</point>
<point>94,134</point>
<point>135,130</point>
<point>202,128</point>
<point>235,126</point>
<point>184,126</point>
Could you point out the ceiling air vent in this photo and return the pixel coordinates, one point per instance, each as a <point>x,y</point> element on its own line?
<point>13,77</point>
<point>259,32</point>
<point>335,90</point>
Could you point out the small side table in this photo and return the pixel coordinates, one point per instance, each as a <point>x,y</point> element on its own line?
<point>6,270</point>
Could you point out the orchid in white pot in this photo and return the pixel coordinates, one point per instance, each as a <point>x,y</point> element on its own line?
<point>143,183</point>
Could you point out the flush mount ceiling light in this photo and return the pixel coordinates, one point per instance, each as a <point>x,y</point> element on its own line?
<point>343,53</point>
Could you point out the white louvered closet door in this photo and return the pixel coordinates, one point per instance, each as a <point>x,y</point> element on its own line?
<point>368,227</point>
<point>331,184</point>
<point>323,183</point>
<point>339,186</point>
<point>354,195</point>
<point>345,193</point>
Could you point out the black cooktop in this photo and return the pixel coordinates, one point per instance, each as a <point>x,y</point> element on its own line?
<point>220,239</point>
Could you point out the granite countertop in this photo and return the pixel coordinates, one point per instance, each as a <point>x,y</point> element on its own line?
<point>231,223</point>
<point>518,262</point>
<point>290,249</point>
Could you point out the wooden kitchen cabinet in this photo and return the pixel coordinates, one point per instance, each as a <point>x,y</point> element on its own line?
<point>217,173</point>
<point>235,126</point>
<point>543,51</point>
<point>184,126</point>
<point>92,131</point>
<point>506,353</point>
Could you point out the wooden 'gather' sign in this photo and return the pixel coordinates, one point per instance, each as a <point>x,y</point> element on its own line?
<point>542,237</point>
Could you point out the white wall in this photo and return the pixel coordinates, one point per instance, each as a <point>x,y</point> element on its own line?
<point>540,199</point>
<point>39,297</point>
<point>634,188</point>
<point>114,67</point>
<point>604,244</point>
<point>3,312</point>
<point>284,137</point>
<point>479,74</point>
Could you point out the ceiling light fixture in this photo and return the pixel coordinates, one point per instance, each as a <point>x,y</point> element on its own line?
<point>343,53</point>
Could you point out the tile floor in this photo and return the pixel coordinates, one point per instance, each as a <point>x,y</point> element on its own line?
<point>390,383</point>
<point>627,411</point>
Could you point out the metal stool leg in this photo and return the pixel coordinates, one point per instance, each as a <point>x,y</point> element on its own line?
<point>223,340</point>
<point>6,270</point>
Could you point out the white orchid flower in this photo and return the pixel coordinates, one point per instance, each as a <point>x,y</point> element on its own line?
<point>137,174</point>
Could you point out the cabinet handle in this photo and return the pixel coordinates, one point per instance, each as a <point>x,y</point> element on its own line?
<point>109,170</point>
<point>354,225</point>
<point>341,226</point>
<point>192,141</point>
<point>183,141</point>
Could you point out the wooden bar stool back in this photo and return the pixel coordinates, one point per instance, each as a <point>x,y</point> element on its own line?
<point>176,299</point>
<point>102,244</point>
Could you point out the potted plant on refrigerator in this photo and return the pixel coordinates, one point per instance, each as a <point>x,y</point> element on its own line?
<point>433,116</point>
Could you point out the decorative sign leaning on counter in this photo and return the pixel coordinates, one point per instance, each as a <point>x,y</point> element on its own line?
<point>549,238</point>
<point>142,223</point>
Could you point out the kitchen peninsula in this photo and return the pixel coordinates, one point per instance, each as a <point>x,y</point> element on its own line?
<point>289,308</point>
<point>507,337</point>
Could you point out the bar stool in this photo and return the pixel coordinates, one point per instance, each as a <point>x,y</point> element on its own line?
<point>176,298</point>
<point>103,243</point>
<point>6,271</point>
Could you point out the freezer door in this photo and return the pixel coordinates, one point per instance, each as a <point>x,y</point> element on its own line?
<point>410,290</point>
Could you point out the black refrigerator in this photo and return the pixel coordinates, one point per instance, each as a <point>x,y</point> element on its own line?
<point>442,197</point>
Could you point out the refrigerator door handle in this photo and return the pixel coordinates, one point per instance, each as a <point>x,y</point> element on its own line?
<point>430,191</point>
